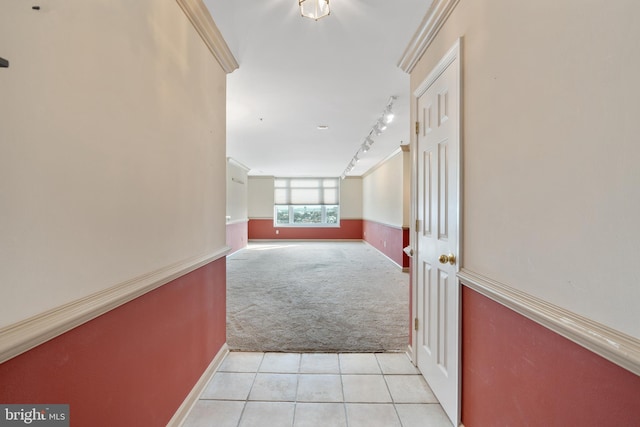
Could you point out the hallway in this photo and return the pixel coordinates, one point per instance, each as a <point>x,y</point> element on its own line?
<point>345,378</point>
<point>316,390</point>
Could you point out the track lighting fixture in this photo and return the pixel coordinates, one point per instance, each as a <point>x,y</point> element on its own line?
<point>388,114</point>
<point>366,145</point>
<point>377,129</point>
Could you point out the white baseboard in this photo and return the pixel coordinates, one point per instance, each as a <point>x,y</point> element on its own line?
<point>387,257</point>
<point>410,353</point>
<point>183,411</point>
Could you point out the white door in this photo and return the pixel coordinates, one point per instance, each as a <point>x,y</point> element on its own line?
<point>437,235</point>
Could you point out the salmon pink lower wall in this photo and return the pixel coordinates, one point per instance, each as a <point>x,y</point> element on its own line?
<point>387,239</point>
<point>134,365</point>
<point>264,229</point>
<point>237,235</point>
<point>410,301</point>
<point>518,373</point>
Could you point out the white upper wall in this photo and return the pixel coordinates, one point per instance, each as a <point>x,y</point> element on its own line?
<point>112,148</point>
<point>384,189</point>
<point>237,192</point>
<point>261,190</point>
<point>550,147</point>
<point>351,198</point>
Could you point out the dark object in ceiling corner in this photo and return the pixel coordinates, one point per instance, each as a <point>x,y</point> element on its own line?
<point>4,63</point>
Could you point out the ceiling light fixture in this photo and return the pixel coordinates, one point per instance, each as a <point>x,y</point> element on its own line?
<point>388,114</point>
<point>314,9</point>
<point>376,130</point>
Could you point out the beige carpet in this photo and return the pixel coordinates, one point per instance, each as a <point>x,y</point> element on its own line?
<point>316,296</point>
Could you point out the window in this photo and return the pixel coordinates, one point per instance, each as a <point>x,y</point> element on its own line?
<point>307,202</point>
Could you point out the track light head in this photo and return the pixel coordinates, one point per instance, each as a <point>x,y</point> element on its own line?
<point>388,115</point>
<point>388,112</point>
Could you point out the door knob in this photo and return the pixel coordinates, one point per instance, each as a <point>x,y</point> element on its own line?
<point>451,259</point>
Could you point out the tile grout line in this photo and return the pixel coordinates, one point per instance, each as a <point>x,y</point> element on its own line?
<point>344,398</point>
<point>295,397</point>
<point>393,400</point>
<point>255,376</point>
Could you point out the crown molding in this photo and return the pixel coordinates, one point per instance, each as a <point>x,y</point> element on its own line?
<point>265,177</point>
<point>378,165</point>
<point>619,348</point>
<point>202,21</point>
<point>436,16</point>
<point>236,163</point>
<point>27,334</point>
<point>453,54</point>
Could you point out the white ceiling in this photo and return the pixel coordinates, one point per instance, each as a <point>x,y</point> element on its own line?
<point>296,73</point>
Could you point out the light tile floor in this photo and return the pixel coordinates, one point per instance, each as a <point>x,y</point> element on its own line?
<point>317,390</point>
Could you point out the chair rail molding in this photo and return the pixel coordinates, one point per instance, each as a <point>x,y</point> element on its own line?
<point>436,16</point>
<point>27,334</point>
<point>619,348</point>
<point>237,221</point>
<point>202,21</point>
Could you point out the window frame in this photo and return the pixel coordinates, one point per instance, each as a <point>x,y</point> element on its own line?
<point>285,198</point>
<point>291,223</point>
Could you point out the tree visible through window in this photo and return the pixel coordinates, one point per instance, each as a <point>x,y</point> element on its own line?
<point>307,202</point>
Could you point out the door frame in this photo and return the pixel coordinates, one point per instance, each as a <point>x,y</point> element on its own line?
<point>453,54</point>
